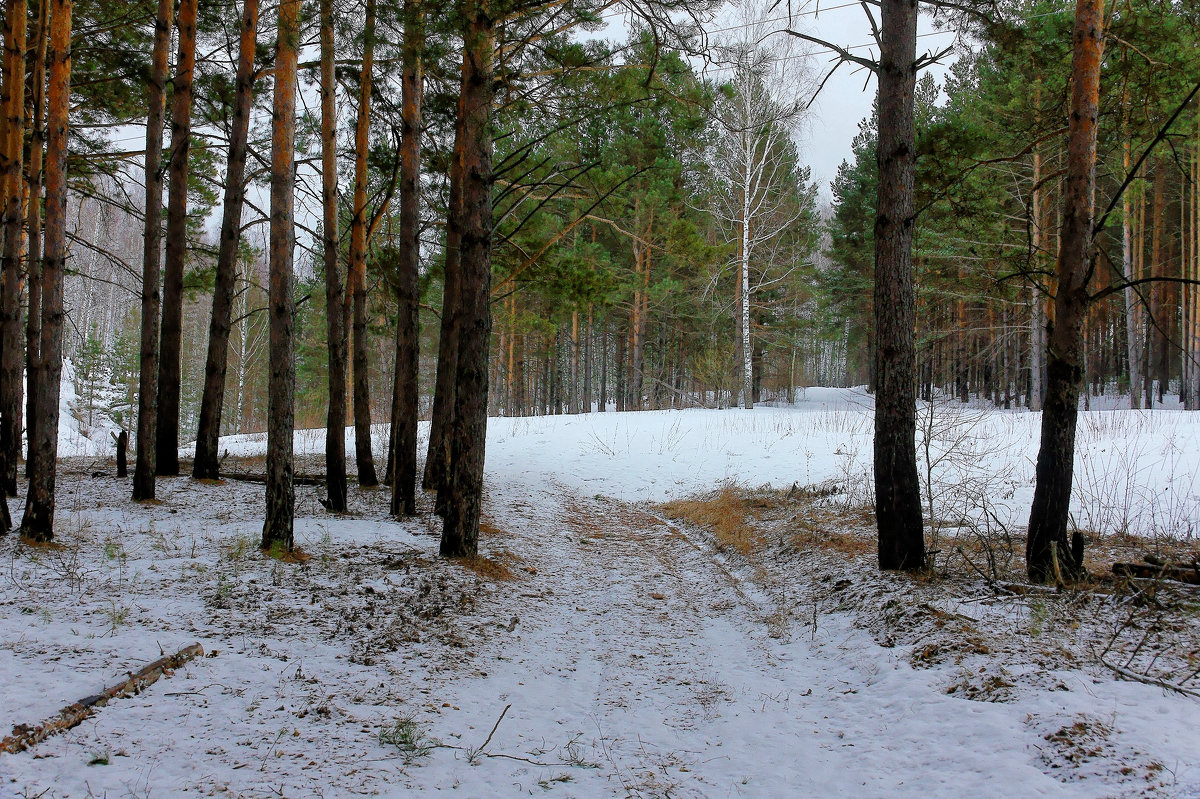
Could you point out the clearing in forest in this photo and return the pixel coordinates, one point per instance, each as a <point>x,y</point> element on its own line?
<point>649,618</point>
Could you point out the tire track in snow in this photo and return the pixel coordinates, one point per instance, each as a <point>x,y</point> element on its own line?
<point>641,652</point>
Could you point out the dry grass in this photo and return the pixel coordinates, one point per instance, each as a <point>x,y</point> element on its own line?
<point>293,555</point>
<point>45,546</point>
<point>727,513</point>
<point>747,520</point>
<point>489,568</point>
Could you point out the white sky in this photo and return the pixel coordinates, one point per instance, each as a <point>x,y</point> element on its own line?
<point>826,137</point>
<point>847,97</point>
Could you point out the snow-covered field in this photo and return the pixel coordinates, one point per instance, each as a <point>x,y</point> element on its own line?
<point>623,656</point>
<point>1136,471</point>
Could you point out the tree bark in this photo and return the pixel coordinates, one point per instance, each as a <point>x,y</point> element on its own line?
<point>1159,321</point>
<point>12,106</point>
<point>278,527</point>
<point>744,292</point>
<point>1037,303</point>
<point>1133,337</point>
<point>437,459</point>
<point>335,317</point>
<point>1065,365</point>
<point>460,531</point>
<point>207,464</point>
<point>573,392</point>
<point>363,455</point>
<point>38,521</point>
<point>122,454</point>
<point>171,333</point>
<point>73,714</point>
<point>897,488</point>
<point>37,146</point>
<point>147,431</point>
<point>405,387</point>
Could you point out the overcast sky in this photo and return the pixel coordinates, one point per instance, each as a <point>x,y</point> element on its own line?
<point>833,120</point>
<point>845,99</point>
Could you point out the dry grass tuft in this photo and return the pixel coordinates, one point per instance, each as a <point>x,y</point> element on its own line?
<point>747,520</point>
<point>491,568</point>
<point>489,529</point>
<point>728,513</point>
<point>293,555</point>
<point>46,546</point>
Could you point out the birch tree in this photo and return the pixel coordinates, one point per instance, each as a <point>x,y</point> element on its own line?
<point>753,168</point>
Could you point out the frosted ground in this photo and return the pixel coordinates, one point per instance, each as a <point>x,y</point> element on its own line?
<point>625,654</point>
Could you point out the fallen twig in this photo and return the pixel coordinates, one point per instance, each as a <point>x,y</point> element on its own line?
<point>473,754</point>
<point>1179,572</point>
<point>1146,678</point>
<point>250,477</point>
<point>24,736</point>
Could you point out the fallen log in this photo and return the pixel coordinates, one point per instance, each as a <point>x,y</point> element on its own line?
<point>1179,572</point>
<point>297,479</point>
<point>24,736</point>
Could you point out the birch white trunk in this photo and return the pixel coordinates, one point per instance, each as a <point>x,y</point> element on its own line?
<point>747,353</point>
<point>1037,305</point>
<point>1133,338</point>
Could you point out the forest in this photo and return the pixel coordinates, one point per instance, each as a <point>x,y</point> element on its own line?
<point>396,263</point>
<point>648,233</point>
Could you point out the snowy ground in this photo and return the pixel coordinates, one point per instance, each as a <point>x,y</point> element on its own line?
<point>602,650</point>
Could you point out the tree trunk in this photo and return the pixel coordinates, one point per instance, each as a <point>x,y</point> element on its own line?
<point>37,146</point>
<point>169,363</point>
<point>207,464</point>
<point>587,363</point>
<point>335,317</point>
<point>405,395</point>
<point>897,488</point>
<point>1189,211</point>
<point>147,431</point>
<point>573,403</point>
<point>437,459</point>
<point>1133,342</point>
<point>12,106</point>
<point>619,361</point>
<point>1065,366</point>
<point>363,455</point>
<point>1037,303</point>
<point>122,454</point>
<point>277,529</point>
<point>38,521</point>
<point>460,531</point>
<point>744,274</point>
<point>1159,365</point>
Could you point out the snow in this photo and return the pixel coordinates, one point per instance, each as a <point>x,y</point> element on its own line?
<point>627,657</point>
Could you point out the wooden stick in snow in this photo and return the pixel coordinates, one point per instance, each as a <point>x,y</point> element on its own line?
<point>23,736</point>
<point>1179,572</point>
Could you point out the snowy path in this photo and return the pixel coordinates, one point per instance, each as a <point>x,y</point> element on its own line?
<point>636,651</point>
<point>641,663</point>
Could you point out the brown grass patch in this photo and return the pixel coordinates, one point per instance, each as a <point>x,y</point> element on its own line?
<point>293,555</point>
<point>728,513</point>
<point>49,546</point>
<point>487,528</point>
<point>850,545</point>
<point>491,568</point>
<point>747,520</point>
